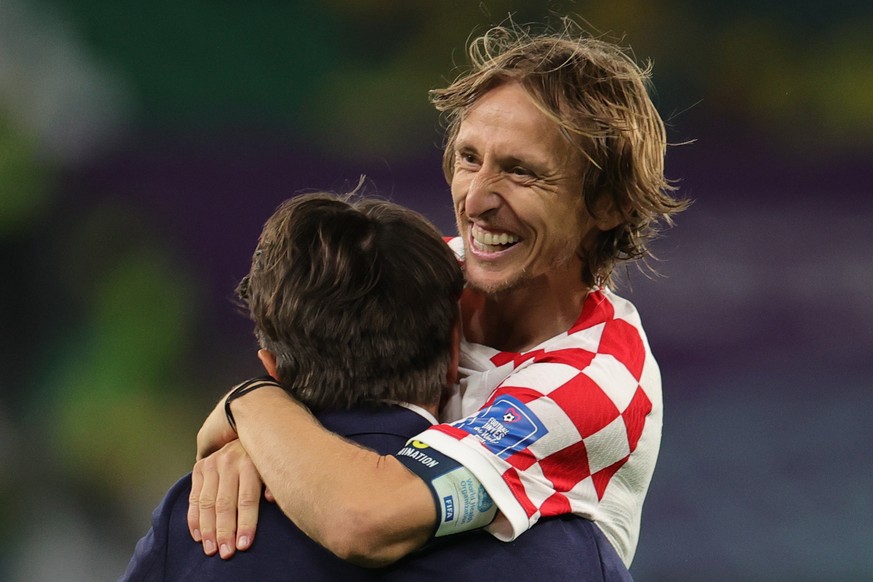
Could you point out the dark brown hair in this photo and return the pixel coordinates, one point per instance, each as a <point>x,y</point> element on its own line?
<point>356,298</point>
<point>598,96</point>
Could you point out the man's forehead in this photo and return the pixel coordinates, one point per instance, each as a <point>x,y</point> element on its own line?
<point>509,105</point>
<point>536,139</point>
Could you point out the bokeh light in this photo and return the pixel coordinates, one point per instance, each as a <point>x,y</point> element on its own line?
<point>143,145</point>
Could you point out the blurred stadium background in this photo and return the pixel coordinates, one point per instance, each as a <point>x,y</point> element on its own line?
<point>143,144</point>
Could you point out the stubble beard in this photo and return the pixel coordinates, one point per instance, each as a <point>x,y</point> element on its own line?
<point>522,278</point>
<point>500,288</point>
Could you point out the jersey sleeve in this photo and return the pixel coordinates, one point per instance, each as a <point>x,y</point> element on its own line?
<point>553,435</point>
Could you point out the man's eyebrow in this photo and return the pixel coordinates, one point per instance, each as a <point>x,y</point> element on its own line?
<point>462,144</point>
<point>536,166</point>
<point>515,161</point>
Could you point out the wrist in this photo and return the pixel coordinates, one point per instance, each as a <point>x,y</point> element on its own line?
<point>242,390</point>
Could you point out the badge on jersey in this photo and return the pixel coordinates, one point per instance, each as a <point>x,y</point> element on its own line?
<point>461,501</point>
<point>505,428</point>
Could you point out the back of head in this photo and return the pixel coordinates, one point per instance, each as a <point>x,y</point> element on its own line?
<point>356,298</point>
<point>597,95</point>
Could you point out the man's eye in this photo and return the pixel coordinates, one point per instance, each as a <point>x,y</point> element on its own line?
<point>519,171</point>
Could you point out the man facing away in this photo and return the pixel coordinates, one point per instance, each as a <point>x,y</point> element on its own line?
<point>355,308</point>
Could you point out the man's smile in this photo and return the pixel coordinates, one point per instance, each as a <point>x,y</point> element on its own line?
<point>491,242</point>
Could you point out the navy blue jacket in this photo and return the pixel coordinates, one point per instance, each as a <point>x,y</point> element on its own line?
<point>565,548</point>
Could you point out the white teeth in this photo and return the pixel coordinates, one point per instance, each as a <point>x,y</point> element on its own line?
<point>492,239</point>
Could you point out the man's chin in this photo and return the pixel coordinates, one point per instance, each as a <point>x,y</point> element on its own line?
<point>494,286</point>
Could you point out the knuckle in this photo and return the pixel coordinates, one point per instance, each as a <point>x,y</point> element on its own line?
<point>225,505</point>
<point>205,465</point>
<point>206,502</point>
<point>249,500</point>
<point>222,459</point>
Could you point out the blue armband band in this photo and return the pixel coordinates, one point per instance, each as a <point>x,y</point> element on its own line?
<point>461,501</point>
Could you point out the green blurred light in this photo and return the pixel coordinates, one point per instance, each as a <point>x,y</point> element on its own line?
<point>141,315</point>
<point>23,182</point>
<point>116,421</point>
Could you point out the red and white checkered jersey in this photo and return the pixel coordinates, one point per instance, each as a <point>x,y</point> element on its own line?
<point>571,426</point>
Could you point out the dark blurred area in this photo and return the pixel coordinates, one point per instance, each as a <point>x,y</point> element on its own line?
<point>142,145</point>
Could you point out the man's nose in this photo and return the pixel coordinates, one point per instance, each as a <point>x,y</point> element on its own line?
<point>483,196</point>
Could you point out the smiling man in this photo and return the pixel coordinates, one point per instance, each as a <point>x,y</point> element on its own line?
<point>555,156</point>
<point>515,190</point>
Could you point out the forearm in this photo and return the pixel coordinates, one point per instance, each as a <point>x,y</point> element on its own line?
<point>362,506</point>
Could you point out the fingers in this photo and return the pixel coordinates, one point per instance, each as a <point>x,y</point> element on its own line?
<point>226,507</point>
<point>194,503</point>
<point>248,505</point>
<point>224,501</point>
<point>206,504</point>
<point>268,495</point>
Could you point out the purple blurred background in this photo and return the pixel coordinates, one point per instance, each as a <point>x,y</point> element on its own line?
<point>142,147</point>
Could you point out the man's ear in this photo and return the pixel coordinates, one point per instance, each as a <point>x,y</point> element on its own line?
<point>607,214</point>
<point>269,361</point>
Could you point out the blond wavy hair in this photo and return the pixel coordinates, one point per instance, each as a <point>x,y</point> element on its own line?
<point>598,95</point>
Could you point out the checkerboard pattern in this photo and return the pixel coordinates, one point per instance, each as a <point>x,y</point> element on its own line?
<point>596,389</point>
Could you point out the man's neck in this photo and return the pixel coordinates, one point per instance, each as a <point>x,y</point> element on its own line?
<point>424,409</point>
<point>519,319</point>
